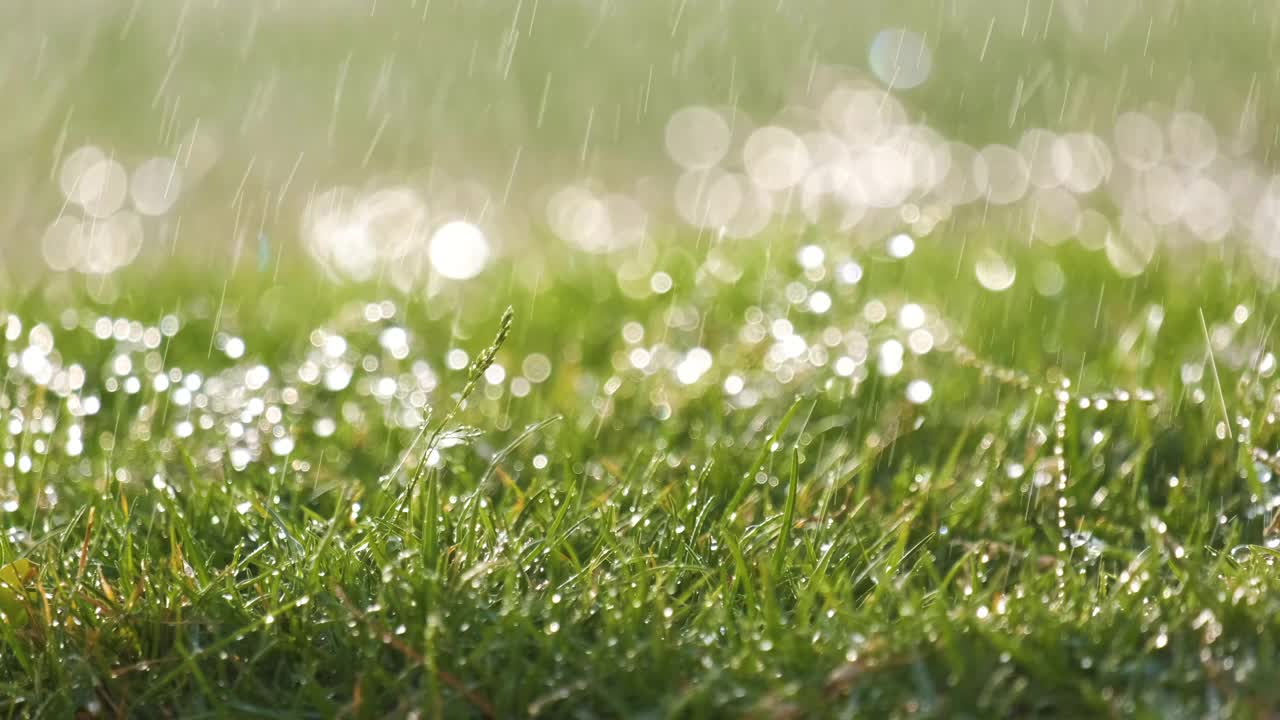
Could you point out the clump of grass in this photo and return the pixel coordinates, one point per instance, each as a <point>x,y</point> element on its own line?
<point>616,542</point>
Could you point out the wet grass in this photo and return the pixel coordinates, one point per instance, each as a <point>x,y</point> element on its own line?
<point>615,542</point>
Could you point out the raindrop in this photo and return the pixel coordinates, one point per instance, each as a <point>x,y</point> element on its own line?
<point>919,392</point>
<point>155,186</point>
<point>993,271</point>
<point>901,246</point>
<point>1132,246</point>
<point>900,58</point>
<point>775,158</point>
<point>459,250</point>
<point>697,137</point>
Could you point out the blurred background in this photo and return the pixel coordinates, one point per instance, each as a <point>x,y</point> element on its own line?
<point>413,142</point>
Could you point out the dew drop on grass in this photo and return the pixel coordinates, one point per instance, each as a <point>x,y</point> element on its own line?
<point>900,246</point>
<point>536,367</point>
<point>1091,545</point>
<point>660,283</point>
<point>240,458</point>
<point>844,367</point>
<point>919,392</point>
<point>849,273</point>
<point>819,302</point>
<point>810,256</point>
<point>324,427</point>
<point>890,358</point>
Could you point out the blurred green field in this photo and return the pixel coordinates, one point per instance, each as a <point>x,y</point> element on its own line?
<point>516,98</point>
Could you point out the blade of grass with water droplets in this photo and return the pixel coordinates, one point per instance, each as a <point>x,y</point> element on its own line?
<point>749,478</point>
<point>502,454</point>
<point>788,513</point>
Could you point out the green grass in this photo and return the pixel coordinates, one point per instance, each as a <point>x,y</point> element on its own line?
<point>1078,522</point>
<point>616,543</point>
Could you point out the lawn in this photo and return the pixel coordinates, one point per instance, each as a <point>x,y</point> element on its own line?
<point>256,498</point>
<point>599,359</point>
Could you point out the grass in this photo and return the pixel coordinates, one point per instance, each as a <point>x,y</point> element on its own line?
<point>617,543</point>
<point>257,493</point>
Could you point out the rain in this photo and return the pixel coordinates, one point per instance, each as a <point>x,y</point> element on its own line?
<point>569,358</point>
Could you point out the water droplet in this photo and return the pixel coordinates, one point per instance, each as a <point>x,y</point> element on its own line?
<point>459,250</point>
